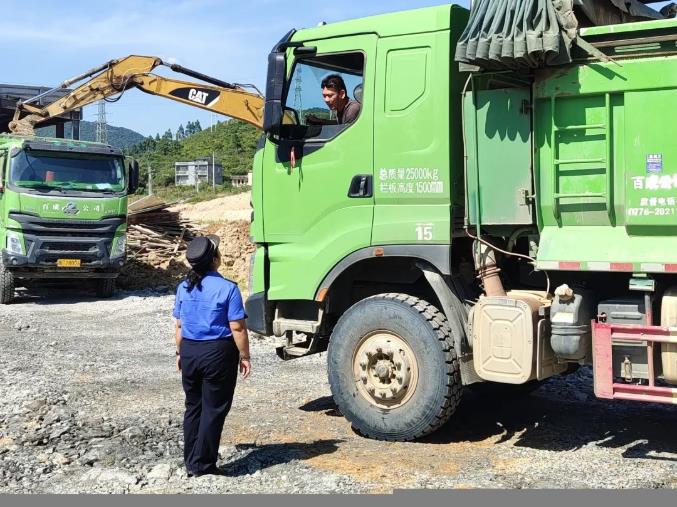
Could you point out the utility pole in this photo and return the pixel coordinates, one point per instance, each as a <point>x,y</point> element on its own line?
<point>298,92</point>
<point>101,124</point>
<point>213,173</point>
<point>213,159</point>
<point>150,181</point>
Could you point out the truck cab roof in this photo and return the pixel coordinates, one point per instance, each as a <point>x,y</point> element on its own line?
<point>428,19</point>
<point>56,144</point>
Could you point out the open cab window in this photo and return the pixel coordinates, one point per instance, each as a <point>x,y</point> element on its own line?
<point>307,115</point>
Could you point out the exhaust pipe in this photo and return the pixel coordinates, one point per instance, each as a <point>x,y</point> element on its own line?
<point>488,270</point>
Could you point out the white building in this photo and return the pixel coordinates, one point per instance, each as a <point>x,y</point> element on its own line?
<point>189,173</point>
<point>241,180</point>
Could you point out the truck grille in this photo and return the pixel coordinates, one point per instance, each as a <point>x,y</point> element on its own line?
<point>67,228</point>
<point>54,246</point>
<point>48,240</point>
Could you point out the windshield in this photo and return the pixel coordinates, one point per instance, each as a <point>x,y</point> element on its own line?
<point>44,170</point>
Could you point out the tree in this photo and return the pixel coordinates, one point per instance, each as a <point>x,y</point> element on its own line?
<point>180,133</point>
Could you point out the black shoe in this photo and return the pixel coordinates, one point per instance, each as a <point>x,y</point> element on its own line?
<point>212,470</point>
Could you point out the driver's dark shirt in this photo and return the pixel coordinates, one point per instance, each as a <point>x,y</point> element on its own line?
<point>349,113</point>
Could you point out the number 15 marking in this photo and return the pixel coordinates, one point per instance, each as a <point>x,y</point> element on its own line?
<point>424,232</point>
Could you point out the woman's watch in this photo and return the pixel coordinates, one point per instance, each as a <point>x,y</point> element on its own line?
<point>246,358</point>
<point>177,352</point>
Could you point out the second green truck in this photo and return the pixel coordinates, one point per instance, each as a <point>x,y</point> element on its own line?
<point>63,211</point>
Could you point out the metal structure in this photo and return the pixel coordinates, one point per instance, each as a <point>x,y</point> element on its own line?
<point>101,124</point>
<point>11,95</point>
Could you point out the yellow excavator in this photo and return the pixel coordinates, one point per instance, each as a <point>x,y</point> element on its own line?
<point>109,81</point>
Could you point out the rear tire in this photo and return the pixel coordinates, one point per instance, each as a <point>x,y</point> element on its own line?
<point>105,287</point>
<point>7,285</point>
<point>392,367</point>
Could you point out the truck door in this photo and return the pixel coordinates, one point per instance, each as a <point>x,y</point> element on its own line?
<point>318,179</point>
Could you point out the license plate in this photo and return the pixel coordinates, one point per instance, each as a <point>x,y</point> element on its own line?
<point>68,263</point>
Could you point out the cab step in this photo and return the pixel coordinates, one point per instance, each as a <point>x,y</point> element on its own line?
<point>301,349</point>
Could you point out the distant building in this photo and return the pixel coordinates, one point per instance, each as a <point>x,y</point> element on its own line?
<point>189,173</point>
<point>241,180</point>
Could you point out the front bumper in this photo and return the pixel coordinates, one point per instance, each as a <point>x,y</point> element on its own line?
<point>47,240</point>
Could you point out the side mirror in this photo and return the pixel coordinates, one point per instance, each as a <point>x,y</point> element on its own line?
<point>273,111</point>
<point>133,177</point>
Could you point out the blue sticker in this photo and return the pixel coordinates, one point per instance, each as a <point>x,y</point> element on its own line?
<point>654,163</point>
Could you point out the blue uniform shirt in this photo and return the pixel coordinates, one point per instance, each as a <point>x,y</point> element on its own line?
<point>205,312</point>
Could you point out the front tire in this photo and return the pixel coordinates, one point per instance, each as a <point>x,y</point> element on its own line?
<point>7,284</point>
<point>105,287</point>
<point>392,367</point>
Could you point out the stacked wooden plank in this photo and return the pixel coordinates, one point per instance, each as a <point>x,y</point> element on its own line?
<point>154,234</point>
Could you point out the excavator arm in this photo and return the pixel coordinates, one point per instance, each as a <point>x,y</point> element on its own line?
<point>111,80</point>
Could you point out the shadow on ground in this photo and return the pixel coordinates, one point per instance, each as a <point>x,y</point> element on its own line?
<point>268,455</point>
<point>78,291</point>
<point>552,420</point>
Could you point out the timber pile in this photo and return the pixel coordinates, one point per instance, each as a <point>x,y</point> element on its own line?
<point>155,235</point>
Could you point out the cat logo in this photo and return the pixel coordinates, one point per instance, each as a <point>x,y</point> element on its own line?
<point>197,96</point>
<point>202,96</point>
<point>70,209</point>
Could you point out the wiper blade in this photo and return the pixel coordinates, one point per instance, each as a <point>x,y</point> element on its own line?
<point>43,187</point>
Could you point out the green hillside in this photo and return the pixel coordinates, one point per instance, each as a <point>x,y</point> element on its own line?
<point>120,137</point>
<point>233,144</point>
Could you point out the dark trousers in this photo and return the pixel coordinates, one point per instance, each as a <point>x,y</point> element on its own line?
<point>209,375</point>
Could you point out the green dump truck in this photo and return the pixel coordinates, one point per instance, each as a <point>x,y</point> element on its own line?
<point>482,220</point>
<point>63,209</point>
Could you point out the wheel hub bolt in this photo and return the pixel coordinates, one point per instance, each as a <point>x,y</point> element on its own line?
<point>382,370</point>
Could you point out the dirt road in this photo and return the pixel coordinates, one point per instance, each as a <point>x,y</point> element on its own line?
<point>90,402</point>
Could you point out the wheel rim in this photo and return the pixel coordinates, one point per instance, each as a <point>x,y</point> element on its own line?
<point>385,369</point>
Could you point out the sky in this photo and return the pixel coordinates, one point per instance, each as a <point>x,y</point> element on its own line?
<point>54,40</point>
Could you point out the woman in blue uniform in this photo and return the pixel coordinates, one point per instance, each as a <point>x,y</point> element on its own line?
<point>211,342</point>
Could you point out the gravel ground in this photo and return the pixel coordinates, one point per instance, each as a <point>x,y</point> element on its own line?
<point>90,402</point>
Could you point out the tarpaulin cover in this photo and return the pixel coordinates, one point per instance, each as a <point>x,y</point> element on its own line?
<point>533,33</point>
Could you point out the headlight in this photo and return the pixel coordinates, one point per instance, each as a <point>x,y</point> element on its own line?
<point>14,243</point>
<point>120,246</point>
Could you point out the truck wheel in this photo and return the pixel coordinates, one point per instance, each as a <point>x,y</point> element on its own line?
<point>392,367</point>
<point>105,287</point>
<point>6,285</point>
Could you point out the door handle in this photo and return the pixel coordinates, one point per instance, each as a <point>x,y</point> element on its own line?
<point>361,186</point>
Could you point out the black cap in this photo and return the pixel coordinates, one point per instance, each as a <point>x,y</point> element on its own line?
<point>201,251</point>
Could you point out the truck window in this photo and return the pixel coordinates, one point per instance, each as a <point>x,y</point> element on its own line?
<point>322,113</point>
<point>67,171</point>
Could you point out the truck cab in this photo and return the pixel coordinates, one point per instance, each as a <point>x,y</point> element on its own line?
<point>63,208</point>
